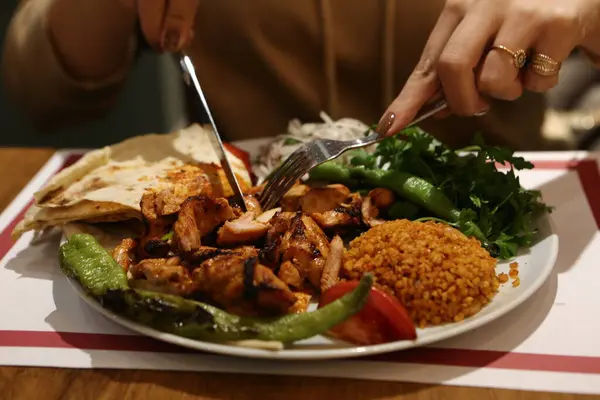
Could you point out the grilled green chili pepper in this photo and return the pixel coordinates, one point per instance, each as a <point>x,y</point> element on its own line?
<point>412,188</point>
<point>332,172</point>
<point>83,258</point>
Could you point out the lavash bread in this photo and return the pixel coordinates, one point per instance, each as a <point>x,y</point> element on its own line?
<point>107,184</point>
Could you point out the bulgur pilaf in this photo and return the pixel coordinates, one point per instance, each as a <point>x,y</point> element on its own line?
<point>437,273</point>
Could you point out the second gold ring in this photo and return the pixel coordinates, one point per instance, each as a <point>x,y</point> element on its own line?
<point>519,56</point>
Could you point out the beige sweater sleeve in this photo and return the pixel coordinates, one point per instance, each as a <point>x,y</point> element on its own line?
<point>38,83</point>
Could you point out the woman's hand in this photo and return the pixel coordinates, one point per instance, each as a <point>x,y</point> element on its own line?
<point>166,24</point>
<point>460,58</point>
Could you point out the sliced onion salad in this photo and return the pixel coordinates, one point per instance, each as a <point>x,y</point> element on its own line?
<point>298,134</point>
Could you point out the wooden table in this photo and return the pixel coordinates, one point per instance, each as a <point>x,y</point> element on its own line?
<point>18,166</point>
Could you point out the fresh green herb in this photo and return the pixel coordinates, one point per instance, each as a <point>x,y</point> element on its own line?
<point>466,190</point>
<point>291,142</point>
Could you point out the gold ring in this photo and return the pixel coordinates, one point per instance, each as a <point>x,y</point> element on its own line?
<point>519,56</point>
<point>544,65</point>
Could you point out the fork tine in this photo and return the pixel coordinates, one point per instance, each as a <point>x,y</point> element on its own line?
<point>283,169</point>
<point>283,179</point>
<point>276,192</point>
<point>282,188</point>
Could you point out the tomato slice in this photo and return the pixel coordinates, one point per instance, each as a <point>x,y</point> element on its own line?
<point>383,319</point>
<point>241,154</point>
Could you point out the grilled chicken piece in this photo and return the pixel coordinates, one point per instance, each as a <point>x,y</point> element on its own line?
<point>255,190</point>
<point>125,252</point>
<point>377,200</point>
<point>160,204</point>
<point>163,275</point>
<point>291,200</point>
<point>267,215</point>
<point>331,270</point>
<point>297,247</point>
<point>237,282</point>
<point>327,198</point>
<point>198,217</point>
<point>181,183</point>
<point>243,230</point>
<point>151,243</point>
<point>382,198</point>
<point>252,205</point>
<point>347,215</point>
<point>218,181</point>
<point>301,304</point>
<point>370,212</point>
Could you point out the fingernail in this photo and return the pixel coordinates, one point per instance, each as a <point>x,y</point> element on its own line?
<point>170,42</point>
<point>385,123</point>
<point>482,113</point>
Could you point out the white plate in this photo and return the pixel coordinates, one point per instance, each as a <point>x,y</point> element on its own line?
<point>535,264</point>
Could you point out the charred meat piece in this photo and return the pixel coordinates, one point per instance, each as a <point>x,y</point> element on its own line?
<point>297,248</point>
<point>125,253</point>
<point>377,200</point>
<point>291,200</point>
<point>370,212</point>
<point>382,198</point>
<point>271,253</point>
<point>198,217</point>
<point>206,253</point>
<point>267,215</point>
<point>290,274</point>
<point>159,206</point>
<point>243,230</point>
<point>179,184</point>
<point>163,275</point>
<point>347,215</point>
<point>157,225</point>
<point>331,270</point>
<point>327,198</point>
<point>255,190</point>
<point>301,304</point>
<point>237,282</point>
<point>252,205</point>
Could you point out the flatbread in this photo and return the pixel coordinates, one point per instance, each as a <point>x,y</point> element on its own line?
<point>107,184</point>
<point>121,180</point>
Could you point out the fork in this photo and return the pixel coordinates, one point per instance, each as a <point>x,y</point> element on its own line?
<point>316,152</point>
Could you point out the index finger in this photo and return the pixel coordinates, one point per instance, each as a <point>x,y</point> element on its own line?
<point>423,83</point>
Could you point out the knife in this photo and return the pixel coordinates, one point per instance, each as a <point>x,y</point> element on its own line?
<point>189,77</point>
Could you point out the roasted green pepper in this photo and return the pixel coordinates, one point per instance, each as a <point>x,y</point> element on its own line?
<point>83,258</point>
<point>332,172</point>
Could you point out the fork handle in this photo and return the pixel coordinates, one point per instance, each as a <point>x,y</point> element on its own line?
<point>428,111</point>
<point>425,113</point>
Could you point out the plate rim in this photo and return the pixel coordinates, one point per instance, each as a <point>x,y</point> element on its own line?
<point>335,353</point>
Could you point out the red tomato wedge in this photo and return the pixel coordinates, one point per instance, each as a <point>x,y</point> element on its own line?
<point>383,319</point>
<point>241,154</point>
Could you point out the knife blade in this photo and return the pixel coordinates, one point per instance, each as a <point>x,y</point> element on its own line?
<point>190,78</point>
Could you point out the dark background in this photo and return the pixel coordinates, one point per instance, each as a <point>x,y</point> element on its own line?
<point>143,107</point>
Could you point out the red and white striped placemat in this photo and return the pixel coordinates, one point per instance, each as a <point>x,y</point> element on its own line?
<point>549,343</point>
